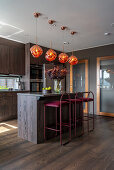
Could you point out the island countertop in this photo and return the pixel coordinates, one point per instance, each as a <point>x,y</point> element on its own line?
<point>41,94</point>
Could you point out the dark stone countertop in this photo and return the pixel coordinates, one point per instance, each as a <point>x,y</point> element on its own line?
<point>40,94</point>
<point>13,91</point>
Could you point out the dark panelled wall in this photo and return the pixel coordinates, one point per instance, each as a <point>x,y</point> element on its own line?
<point>91,54</point>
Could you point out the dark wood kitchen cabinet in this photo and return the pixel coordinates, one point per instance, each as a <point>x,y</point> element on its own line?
<point>12,57</point>
<point>1,107</point>
<point>4,59</point>
<point>17,61</point>
<point>8,106</point>
<point>14,104</point>
<point>7,98</point>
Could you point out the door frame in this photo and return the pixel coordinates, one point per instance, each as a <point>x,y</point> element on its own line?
<point>98,86</point>
<point>86,79</point>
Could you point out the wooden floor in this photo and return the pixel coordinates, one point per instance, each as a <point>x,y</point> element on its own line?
<point>90,152</point>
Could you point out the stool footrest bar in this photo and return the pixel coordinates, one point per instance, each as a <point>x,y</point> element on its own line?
<point>64,124</point>
<point>56,130</point>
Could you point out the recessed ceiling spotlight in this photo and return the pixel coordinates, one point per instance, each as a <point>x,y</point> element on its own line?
<point>66,42</point>
<point>112,25</point>
<point>107,33</point>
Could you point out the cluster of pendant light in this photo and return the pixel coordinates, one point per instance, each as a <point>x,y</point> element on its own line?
<point>51,55</point>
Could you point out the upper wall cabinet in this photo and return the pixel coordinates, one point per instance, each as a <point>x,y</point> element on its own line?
<point>4,59</point>
<point>17,61</point>
<point>12,57</point>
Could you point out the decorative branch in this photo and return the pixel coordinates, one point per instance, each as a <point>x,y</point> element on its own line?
<point>57,73</point>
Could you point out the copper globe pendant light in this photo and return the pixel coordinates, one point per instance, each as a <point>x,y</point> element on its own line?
<point>63,57</point>
<point>72,59</point>
<point>50,54</point>
<point>36,50</point>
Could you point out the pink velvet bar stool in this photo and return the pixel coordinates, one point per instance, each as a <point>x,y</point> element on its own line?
<point>58,104</point>
<point>74,101</point>
<point>88,99</point>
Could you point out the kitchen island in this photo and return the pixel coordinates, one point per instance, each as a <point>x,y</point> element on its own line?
<point>31,115</point>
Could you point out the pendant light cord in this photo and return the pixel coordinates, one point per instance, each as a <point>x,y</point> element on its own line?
<point>63,40</point>
<point>63,47</point>
<point>50,27</point>
<point>51,44</point>
<point>36,30</point>
<point>72,44</point>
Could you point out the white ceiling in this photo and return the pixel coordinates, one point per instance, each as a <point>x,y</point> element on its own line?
<point>90,18</point>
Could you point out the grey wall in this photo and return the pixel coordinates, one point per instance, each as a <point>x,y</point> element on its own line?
<point>91,54</point>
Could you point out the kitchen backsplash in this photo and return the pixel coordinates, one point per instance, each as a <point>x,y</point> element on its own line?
<point>9,83</point>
